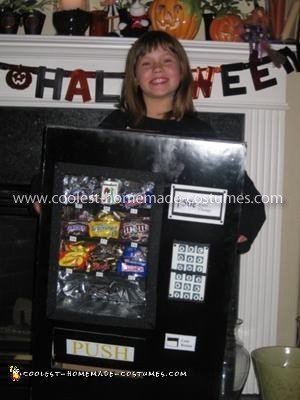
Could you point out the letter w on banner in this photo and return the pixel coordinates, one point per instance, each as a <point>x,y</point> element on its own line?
<point>203,80</point>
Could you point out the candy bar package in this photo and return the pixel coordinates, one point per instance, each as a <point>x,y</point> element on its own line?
<point>135,229</point>
<point>103,248</point>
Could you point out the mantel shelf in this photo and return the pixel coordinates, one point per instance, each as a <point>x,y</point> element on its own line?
<point>87,44</point>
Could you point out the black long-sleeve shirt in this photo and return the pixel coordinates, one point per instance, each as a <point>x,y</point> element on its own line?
<point>252,212</point>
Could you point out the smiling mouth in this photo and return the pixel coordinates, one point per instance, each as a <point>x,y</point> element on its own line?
<point>158,81</point>
<point>163,25</point>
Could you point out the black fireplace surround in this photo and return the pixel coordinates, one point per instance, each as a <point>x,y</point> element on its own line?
<point>20,157</point>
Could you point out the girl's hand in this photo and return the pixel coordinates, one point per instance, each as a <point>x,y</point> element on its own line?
<point>37,207</point>
<point>241,239</point>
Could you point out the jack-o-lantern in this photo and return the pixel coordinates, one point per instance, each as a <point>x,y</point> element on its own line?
<point>179,18</point>
<point>227,28</point>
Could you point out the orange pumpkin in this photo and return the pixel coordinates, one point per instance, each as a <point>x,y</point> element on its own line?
<point>227,28</point>
<point>179,18</point>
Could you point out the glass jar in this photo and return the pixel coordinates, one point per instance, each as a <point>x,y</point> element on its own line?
<point>236,364</point>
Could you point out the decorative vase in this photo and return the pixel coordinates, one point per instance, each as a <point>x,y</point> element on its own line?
<point>9,21</point>
<point>33,22</point>
<point>236,364</point>
<point>277,370</point>
<point>71,22</point>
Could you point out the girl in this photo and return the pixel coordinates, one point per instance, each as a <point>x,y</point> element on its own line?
<point>157,88</point>
<point>157,95</point>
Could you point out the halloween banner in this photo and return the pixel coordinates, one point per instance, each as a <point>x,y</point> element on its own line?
<point>19,77</point>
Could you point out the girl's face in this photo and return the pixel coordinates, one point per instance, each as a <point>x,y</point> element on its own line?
<point>158,74</point>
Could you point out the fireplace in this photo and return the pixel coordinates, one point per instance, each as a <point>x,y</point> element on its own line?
<point>18,238</point>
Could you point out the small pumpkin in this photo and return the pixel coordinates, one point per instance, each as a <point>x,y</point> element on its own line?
<point>258,17</point>
<point>227,28</point>
<point>179,18</point>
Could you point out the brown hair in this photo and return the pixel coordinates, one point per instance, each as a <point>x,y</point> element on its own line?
<point>131,95</point>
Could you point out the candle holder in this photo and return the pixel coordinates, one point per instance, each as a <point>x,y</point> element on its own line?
<point>33,22</point>
<point>71,22</point>
<point>9,21</point>
<point>98,23</point>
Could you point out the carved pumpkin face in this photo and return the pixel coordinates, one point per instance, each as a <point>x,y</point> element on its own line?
<point>228,28</point>
<point>179,18</point>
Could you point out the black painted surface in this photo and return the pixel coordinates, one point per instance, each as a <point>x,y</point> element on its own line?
<point>200,163</point>
<point>21,131</point>
<point>17,248</point>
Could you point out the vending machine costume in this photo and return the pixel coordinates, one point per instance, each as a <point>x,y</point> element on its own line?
<point>136,257</point>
